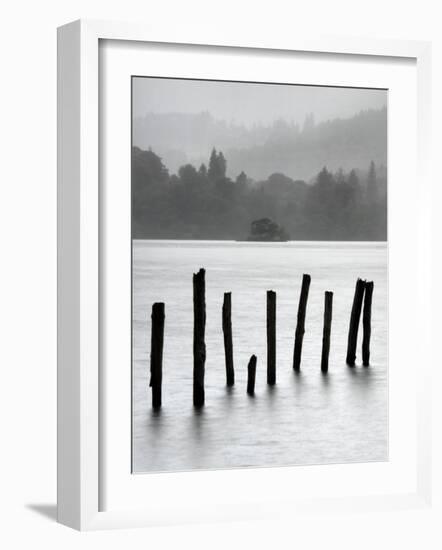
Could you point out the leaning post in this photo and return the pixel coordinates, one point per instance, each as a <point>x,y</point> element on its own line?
<point>354,322</point>
<point>300,325</point>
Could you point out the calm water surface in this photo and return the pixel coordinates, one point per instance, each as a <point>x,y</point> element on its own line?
<point>307,418</point>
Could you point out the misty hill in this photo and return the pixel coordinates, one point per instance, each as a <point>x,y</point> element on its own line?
<point>259,151</point>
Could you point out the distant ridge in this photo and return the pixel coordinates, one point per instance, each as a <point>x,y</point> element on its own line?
<point>262,150</point>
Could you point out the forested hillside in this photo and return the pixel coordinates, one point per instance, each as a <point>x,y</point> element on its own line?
<point>205,203</point>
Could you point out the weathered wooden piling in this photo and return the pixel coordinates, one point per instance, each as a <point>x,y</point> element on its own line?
<point>354,322</point>
<point>328,311</point>
<point>199,328</point>
<point>156,353</point>
<point>228,344</point>
<point>271,337</point>
<point>300,325</point>
<point>366,323</point>
<point>251,375</point>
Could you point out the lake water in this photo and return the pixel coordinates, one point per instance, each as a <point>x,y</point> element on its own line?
<point>307,418</point>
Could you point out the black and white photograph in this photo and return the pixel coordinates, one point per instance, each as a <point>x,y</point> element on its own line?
<point>220,275</point>
<point>259,274</point>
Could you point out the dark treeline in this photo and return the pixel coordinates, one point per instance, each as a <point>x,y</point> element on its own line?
<point>203,203</point>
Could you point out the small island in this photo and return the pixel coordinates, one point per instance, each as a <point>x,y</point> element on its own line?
<point>267,230</point>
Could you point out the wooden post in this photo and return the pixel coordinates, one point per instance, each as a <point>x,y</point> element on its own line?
<point>251,375</point>
<point>300,325</point>
<point>354,322</point>
<point>156,353</point>
<point>228,344</point>
<point>328,310</point>
<point>199,328</point>
<point>366,323</point>
<point>271,337</point>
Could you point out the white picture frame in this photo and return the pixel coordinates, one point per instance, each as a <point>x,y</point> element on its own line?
<point>80,268</point>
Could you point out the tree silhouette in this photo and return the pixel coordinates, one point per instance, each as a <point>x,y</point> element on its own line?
<point>203,171</point>
<point>372,191</point>
<point>242,179</point>
<point>217,166</point>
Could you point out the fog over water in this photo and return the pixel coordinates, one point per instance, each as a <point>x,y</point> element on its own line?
<point>305,419</point>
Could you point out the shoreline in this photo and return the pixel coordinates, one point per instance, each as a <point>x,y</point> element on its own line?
<point>300,243</point>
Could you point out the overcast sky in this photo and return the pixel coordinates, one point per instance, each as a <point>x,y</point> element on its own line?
<point>246,103</point>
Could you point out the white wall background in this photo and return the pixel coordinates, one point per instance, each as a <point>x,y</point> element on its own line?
<point>28,267</point>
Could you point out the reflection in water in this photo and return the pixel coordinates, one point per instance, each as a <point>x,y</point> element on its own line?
<point>156,420</point>
<point>198,422</point>
<point>325,379</point>
<point>271,400</point>
<point>308,417</point>
<point>363,375</point>
<point>230,390</point>
<point>251,397</point>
